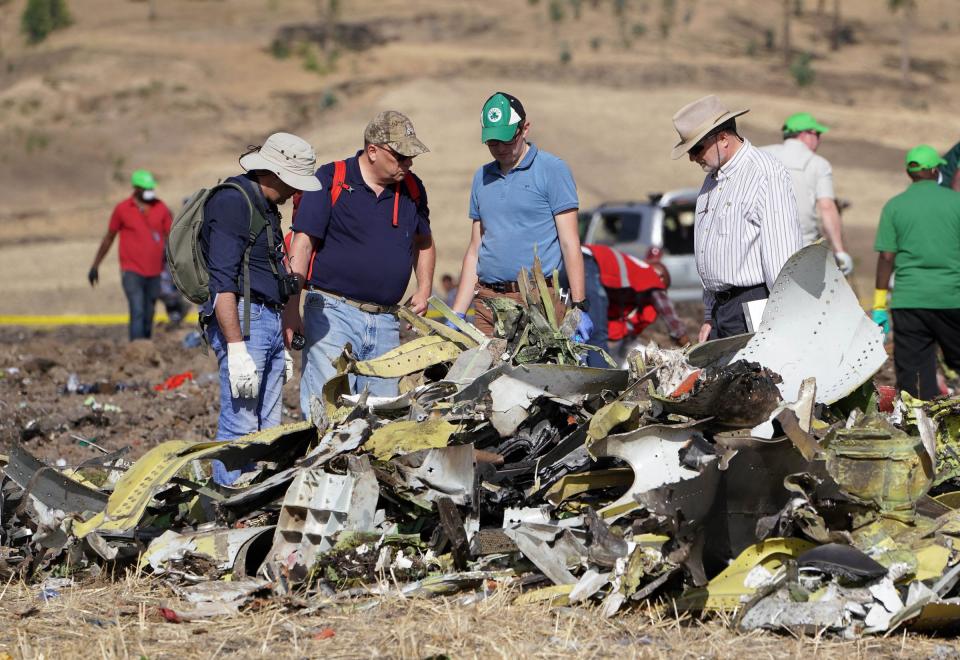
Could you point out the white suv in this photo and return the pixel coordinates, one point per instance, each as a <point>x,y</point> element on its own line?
<point>659,228</point>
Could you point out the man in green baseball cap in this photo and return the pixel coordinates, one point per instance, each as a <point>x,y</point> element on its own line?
<point>918,240</point>
<point>812,179</point>
<point>143,223</point>
<point>523,203</point>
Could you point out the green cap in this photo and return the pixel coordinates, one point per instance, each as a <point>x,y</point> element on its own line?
<point>803,121</point>
<point>143,179</point>
<point>923,157</point>
<point>501,116</point>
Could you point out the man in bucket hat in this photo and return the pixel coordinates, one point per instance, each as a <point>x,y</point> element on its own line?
<point>812,183</point>
<point>747,224</point>
<point>143,222</point>
<point>355,244</point>
<point>253,368</point>
<point>522,203</point>
<point>919,238</point>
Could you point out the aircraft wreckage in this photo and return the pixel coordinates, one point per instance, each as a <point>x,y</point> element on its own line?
<point>754,475</point>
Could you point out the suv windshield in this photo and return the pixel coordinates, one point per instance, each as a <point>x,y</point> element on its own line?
<point>616,228</point>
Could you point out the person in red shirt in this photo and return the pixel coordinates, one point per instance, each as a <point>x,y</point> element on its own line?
<point>143,223</point>
<point>636,295</point>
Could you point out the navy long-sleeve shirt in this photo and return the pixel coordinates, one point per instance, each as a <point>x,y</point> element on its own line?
<point>223,239</point>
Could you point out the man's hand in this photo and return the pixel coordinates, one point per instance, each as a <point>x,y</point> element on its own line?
<point>418,302</point>
<point>584,328</point>
<point>705,331</point>
<point>292,321</point>
<point>244,381</point>
<point>287,366</point>
<point>844,262</point>
<point>93,276</point>
<point>882,318</point>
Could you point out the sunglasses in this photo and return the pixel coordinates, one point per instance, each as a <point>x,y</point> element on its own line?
<point>397,156</point>
<point>698,148</point>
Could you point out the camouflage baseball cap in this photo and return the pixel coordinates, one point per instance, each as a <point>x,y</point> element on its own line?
<point>395,130</point>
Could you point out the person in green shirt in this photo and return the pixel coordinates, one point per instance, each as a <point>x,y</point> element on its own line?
<point>919,241</point>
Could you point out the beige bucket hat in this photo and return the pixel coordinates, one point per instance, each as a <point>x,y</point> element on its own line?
<point>694,120</point>
<point>289,157</point>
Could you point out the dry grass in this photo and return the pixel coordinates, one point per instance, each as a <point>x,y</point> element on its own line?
<point>121,619</point>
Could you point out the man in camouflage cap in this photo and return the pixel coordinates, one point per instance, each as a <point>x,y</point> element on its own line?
<point>355,243</point>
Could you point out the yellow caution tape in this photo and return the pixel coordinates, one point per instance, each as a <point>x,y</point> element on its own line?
<point>53,320</point>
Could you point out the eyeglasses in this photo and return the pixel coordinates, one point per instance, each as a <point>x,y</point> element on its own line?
<point>397,156</point>
<point>511,141</point>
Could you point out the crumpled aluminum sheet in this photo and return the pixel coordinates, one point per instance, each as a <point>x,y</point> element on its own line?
<point>813,326</point>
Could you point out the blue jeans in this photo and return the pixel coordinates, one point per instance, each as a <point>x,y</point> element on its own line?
<point>142,293</point>
<point>329,323</point>
<point>240,417</point>
<point>599,303</point>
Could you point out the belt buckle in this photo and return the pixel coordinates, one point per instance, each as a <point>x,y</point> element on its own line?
<point>723,296</point>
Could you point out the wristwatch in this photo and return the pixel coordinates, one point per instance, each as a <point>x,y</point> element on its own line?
<point>582,305</point>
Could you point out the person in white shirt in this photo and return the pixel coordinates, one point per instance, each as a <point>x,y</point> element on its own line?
<point>746,224</point>
<point>812,183</point>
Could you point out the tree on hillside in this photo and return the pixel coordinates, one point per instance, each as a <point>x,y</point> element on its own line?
<point>41,17</point>
<point>906,9</point>
<point>787,47</point>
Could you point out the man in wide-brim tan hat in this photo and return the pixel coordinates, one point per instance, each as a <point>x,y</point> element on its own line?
<point>253,363</point>
<point>747,224</point>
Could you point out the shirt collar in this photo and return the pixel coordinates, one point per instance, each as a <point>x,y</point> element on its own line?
<point>730,168</point>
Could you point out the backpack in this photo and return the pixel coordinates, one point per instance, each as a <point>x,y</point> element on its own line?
<point>339,185</point>
<point>188,267</point>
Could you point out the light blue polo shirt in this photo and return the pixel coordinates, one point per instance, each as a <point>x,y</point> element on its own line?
<point>517,211</point>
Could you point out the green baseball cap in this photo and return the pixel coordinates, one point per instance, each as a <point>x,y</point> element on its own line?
<point>803,121</point>
<point>143,179</point>
<point>923,157</point>
<point>501,116</point>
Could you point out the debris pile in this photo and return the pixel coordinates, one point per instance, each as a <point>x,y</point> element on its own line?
<point>753,474</point>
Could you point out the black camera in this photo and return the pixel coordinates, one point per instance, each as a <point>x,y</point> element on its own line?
<point>289,286</point>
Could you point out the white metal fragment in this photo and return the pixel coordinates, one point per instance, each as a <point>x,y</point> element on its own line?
<point>813,326</point>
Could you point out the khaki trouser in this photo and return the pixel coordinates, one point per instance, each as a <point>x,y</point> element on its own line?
<point>483,318</point>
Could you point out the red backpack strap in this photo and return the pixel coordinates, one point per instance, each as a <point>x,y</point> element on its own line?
<point>412,189</point>
<point>339,177</point>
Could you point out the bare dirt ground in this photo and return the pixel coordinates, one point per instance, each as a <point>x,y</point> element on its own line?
<point>184,95</point>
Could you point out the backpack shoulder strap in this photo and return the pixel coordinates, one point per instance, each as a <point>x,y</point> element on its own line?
<point>412,187</point>
<point>339,177</point>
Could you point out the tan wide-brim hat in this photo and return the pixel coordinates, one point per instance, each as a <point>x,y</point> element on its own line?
<point>694,120</point>
<point>291,158</point>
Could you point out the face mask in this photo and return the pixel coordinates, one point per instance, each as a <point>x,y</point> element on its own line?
<point>149,195</point>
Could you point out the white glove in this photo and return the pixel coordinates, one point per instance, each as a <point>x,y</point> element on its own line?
<point>844,262</point>
<point>244,382</point>
<point>287,366</point>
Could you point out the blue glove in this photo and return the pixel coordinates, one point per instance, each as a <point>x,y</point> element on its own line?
<point>584,328</point>
<point>882,318</point>
<point>461,315</point>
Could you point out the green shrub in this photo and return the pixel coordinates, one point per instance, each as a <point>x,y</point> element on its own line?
<point>41,17</point>
<point>801,69</point>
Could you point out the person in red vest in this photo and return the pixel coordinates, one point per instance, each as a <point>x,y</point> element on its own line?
<point>143,222</point>
<point>633,293</point>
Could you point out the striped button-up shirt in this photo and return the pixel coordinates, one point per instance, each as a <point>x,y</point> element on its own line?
<point>747,224</point>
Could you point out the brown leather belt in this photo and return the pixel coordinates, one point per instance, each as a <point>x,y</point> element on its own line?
<point>369,308</point>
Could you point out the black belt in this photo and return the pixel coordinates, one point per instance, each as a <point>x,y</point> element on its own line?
<point>727,295</point>
<point>260,300</point>
<point>506,287</point>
